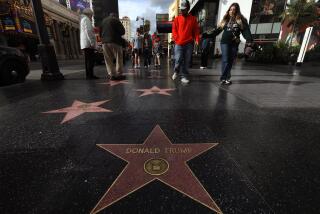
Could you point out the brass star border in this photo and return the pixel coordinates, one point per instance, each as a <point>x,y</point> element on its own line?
<point>156,159</point>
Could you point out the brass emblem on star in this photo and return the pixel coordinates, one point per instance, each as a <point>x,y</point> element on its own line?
<point>156,166</point>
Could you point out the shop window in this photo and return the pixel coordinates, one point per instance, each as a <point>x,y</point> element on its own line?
<point>276,27</point>
<point>264,28</point>
<point>253,28</point>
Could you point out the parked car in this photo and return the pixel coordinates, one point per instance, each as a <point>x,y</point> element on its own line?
<point>14,66</point>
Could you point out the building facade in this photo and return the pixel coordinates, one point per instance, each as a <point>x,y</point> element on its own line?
<point>127,26</point>
<point>162,19</point>
<point>262,15</point>
<point>18,27</point>
<point>63,30</point>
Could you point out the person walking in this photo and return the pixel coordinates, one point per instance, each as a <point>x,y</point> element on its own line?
<point>88,42</point>
<point>137,48</point>
<point>205,50</point>
<point>233,24</point>
<point>147,49</point>
<point>185,31</point>
<point>112,32</point>
<point>172,46</point>
<point>157,51</point>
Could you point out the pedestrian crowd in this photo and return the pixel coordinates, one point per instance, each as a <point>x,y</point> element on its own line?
<point>186,35</point>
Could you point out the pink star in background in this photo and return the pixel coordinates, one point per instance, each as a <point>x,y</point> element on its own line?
<point>114,83</point>
<point>155,90</point>
<point>79,108</point>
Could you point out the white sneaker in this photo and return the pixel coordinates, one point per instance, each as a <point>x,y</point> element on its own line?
<point>174,76</point>
<point>228,82</point>
<point>184,80</point>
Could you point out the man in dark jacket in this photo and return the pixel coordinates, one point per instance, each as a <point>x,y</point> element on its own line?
<point>111,35</point>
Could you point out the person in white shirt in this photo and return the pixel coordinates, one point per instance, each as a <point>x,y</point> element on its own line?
<point>88,41</point>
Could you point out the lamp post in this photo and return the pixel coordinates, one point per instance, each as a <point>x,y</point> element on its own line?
<point>50,67</point>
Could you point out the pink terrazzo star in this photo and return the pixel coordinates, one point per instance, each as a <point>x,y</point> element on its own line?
<point>157,159</point>
<point>79,108</point>
<point>114,83</point>
<point>155,90</point>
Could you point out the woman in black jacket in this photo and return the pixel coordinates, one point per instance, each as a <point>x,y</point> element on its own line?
<point>233,24</point>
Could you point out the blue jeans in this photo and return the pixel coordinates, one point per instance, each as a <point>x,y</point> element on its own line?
<point>229,53</point>
<point>182,56</point>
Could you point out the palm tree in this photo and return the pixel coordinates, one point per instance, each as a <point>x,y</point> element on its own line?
<point>299,13</point>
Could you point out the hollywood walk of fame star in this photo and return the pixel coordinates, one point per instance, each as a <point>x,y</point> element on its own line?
<point>155,90</point>
<point>78,108</point>
<point>114,83</point>
<point>156,159</point>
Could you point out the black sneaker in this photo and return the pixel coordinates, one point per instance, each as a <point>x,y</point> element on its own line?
<point>223,82</point>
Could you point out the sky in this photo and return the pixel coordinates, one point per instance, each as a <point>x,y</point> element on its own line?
<point>143,8</point>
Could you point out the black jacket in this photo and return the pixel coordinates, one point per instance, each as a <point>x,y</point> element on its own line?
<point>232,35</point>
<point>112,31</point>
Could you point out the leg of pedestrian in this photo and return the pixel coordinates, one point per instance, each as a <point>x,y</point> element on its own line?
<point>187,55</point>
<point>224,62</point>
<point>119,58</point>
<point>108,57</point>
<point>86,61</point>
<point>178,55</point>
<point>91,64</point>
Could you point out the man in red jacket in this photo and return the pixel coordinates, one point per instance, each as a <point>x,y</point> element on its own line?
<point>185,31</point>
